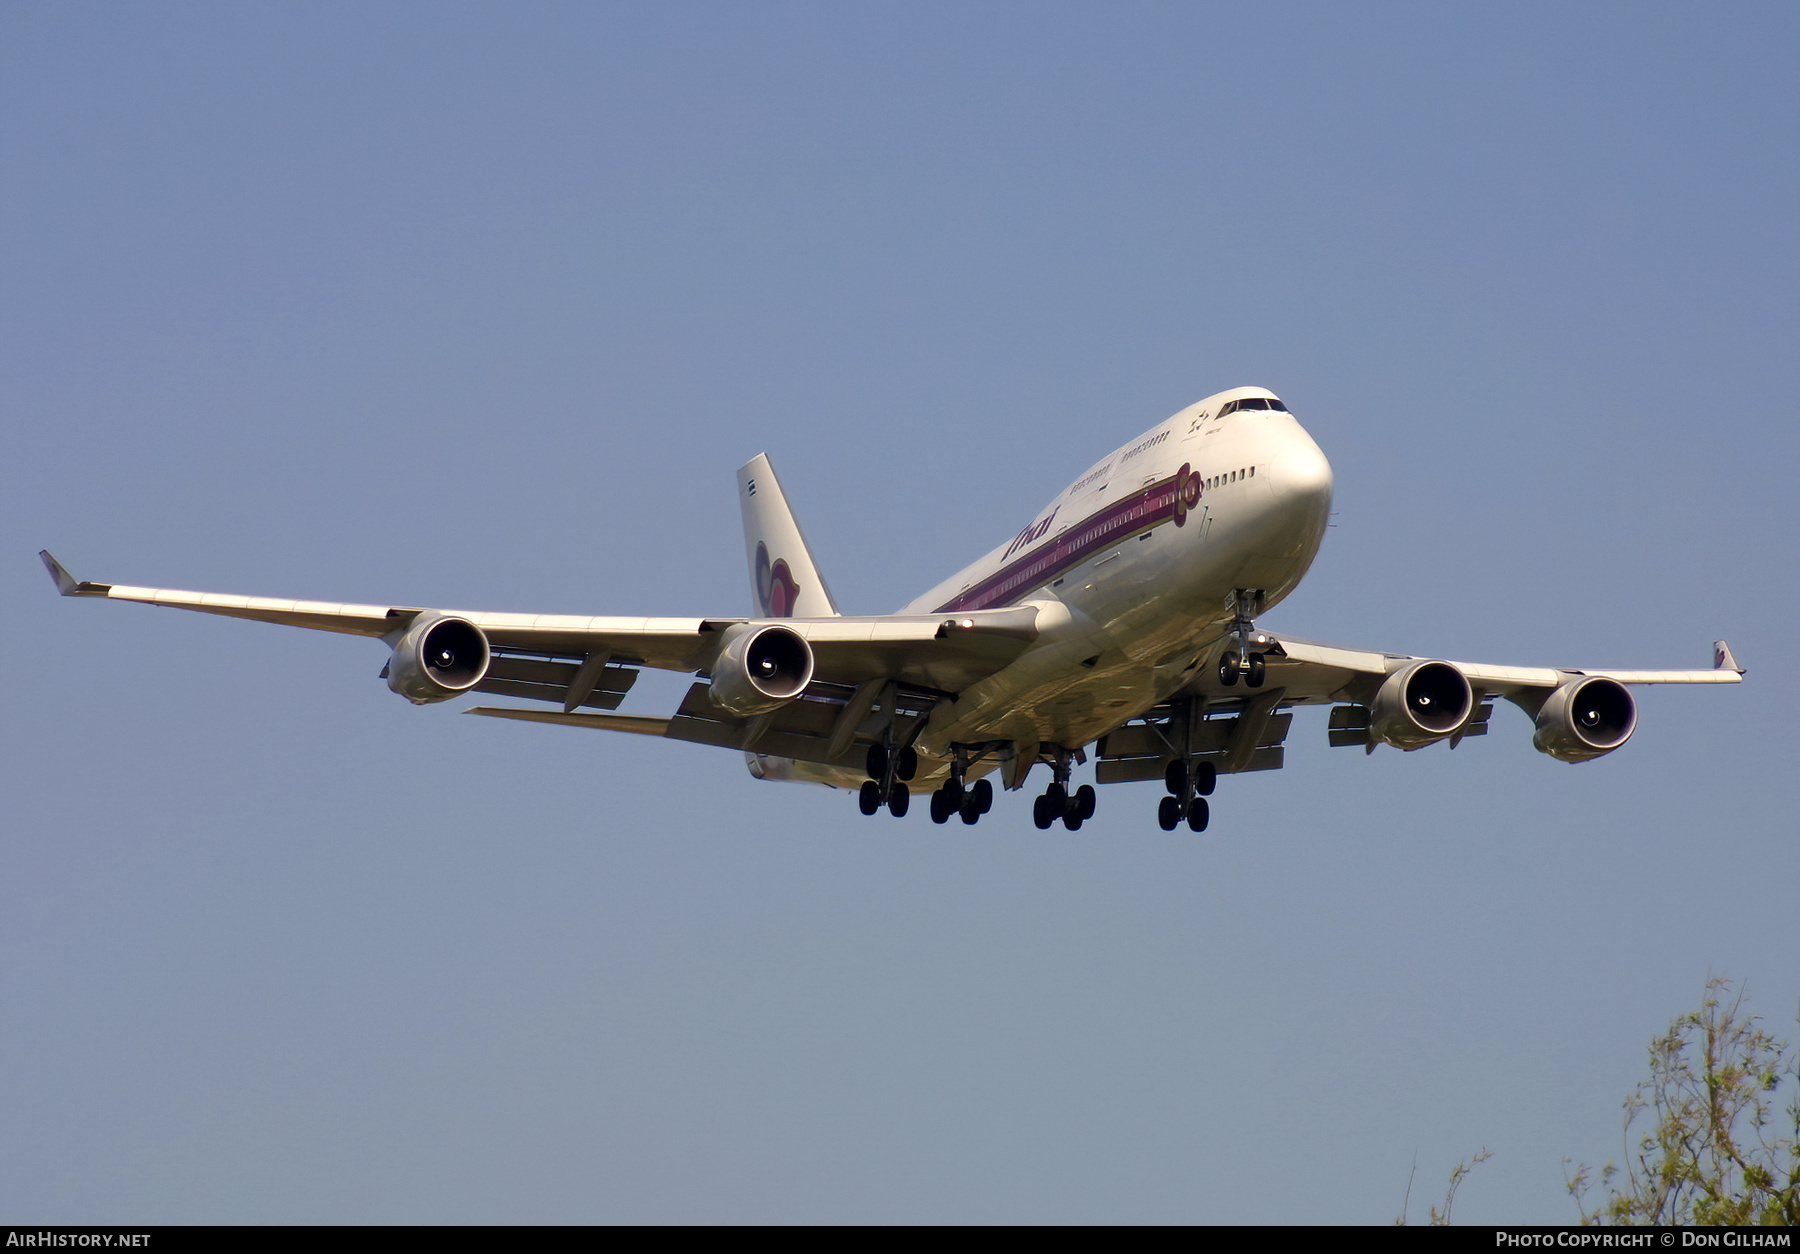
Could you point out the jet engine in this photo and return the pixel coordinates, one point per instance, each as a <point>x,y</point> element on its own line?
<point>760,669</point>
<point>438,658</point>
<point>1420,704</point>
<point>1584,719</point>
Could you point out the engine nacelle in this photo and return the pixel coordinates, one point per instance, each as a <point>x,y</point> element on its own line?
<point>1584,719</point>
<point>438,658</point>
<point>760,669</point>
<point>1420,704</point>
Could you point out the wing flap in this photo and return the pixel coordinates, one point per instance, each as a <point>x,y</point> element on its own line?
<point>602,722</point>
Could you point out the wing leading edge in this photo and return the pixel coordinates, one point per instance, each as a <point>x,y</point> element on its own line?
<point>944,652</point>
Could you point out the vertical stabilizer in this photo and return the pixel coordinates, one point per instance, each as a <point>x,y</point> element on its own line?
<point>783,579</point>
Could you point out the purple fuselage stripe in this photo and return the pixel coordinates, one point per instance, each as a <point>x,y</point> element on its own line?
<point>1119,521</point>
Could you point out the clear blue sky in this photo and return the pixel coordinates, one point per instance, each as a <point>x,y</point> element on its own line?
<point>480,307</point>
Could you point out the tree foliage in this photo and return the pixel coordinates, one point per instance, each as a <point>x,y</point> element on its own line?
<point>1441,1218</point>
<point>1712,1144</point>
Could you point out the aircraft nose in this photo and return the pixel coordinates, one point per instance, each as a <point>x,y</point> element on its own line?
<point>1300,474</point>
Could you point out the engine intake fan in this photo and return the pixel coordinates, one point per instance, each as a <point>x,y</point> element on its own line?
<point>1421,704</point>
<point>438,658</point>
<point>760,669</point>
<point>1585,719</point>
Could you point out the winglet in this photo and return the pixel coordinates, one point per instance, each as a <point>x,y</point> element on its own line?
<point>1722,659</point>
<point>66,583</point>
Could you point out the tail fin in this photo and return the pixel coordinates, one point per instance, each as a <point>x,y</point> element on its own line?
<point>783,578</point>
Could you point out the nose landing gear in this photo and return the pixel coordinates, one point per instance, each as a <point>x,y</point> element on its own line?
<point>1244,660</point>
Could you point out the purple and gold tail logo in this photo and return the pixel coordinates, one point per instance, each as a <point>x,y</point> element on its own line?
<point>776,588</point>
<point>1187,493</point>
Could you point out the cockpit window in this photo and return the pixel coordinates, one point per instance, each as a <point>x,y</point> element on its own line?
<point>1252,402</point>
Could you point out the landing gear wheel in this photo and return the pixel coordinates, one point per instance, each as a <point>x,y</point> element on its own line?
<point>1042,814</point>
<point>1175,777</point>
<point>1084,802</point>
<point>869,799</point>
<point>1206,778</point>
<point>983,796</point>
<point>1230,667</point>
<point>1254,677</point>
<point>1168,814</point>
<point>899,800</point>
<point>1072,820</point>
<point>941,810</point>
<point>1198,813</point>
<point>877,761</point>
<point>971,814</point>
<point>1057,797</point>
<point>906,762</point>
<point>953,794</point>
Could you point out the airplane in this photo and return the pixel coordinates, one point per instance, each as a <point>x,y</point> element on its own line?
<point>1121,617</point>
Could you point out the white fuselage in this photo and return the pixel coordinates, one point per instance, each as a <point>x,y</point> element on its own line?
<point>1132,570</point>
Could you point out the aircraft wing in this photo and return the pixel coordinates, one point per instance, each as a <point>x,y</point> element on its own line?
<point>1243,729</point>
<point>1316,673</point>
<point>945,653</point>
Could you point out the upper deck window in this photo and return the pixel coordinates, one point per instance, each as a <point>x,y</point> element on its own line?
<point>1253,402</point>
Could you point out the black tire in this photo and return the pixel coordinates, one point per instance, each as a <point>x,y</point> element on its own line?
<point>1057,797</point>
<point>868,800</point>
<point>899,800</point>
<point>907,763</point>
<point>970,813</point>
<point>954,793</point>
<point>1041,815</point>
<point>1229,668</point>
<point>941,809</point>
<point>1206,778</point>
<point>983,793</point>
<point>877,761</point>
<point>1168,814</point>
<point>1257,671</point>
<point>1072,820</point>
<point>1175,777</point>
<point>1084,802</point>
<point>1198,814</point>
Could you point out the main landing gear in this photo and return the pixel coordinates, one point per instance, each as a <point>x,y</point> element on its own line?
<point>955,797</point>
<point>1245,659</point>
<point>970,802</point>
<point>1073,808</point>
<point>1189,785</point>
<point>889,769</point>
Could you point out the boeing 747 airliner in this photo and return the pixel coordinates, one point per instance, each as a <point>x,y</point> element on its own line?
<point>1121,619</point>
